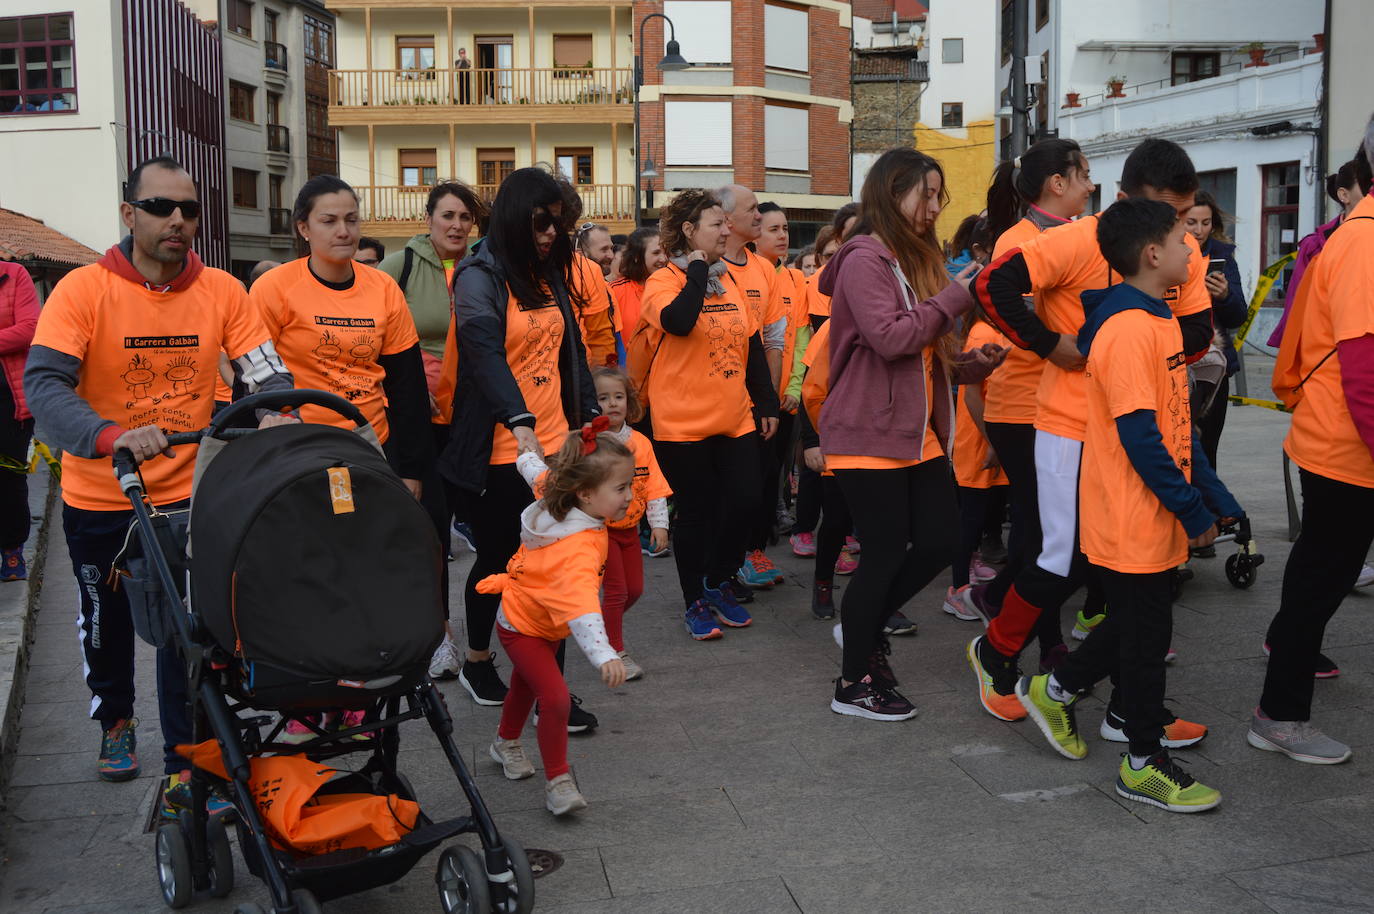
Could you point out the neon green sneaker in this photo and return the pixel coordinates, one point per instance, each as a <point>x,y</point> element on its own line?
<point>1164,784</point>
<point>1055,719</point>
<point>1083,625</point>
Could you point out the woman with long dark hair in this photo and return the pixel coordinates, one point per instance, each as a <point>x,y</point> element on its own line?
<point>522,383</point>
<point>887,424</point>
<point>643,257</point>
<point>710,393</point>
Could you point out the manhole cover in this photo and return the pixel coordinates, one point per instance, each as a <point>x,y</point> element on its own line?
<point>543,862</point>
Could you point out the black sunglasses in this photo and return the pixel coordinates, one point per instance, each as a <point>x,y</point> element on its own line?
<point>541,220</point>
<point>162,207</point>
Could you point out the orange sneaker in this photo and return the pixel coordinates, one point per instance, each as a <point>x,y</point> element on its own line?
<point>1000,706</point>
<point>1177,735</point>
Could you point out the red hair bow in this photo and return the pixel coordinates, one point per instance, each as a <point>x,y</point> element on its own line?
<point>590,431</point>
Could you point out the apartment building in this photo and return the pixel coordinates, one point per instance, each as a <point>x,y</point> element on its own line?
<point>89,87</point>
<point>1235,82</point>
<point>766,102</point>
<point>425,90</point>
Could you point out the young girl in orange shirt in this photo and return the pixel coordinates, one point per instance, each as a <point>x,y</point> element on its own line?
<point>550,589</point>
<point>623,583</point>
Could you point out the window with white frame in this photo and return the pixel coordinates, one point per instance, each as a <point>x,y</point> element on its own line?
<point>786,138</point>
<point>703,29</point>
<point>786,37</point>
<point>698,133</point>
<point>952,50</point>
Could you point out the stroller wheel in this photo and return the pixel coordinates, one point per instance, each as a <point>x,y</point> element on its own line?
<point>1240,577</point>
<point>174,866</point>
<point>462,881</point>
<point>306,902</point>
<point>518,896</point>
<point>221,858</point>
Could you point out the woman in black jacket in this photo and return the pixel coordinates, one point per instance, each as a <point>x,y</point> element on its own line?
<point>1207,223</point>
<point>522,383</point>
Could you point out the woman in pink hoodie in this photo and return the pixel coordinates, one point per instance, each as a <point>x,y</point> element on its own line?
<point>887,427</point>
<point>18,318</point>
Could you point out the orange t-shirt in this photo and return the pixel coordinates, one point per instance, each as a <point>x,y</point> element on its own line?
<point>817,302</point>
<point>696,383</point>
<point>332,339</point>
<point>970,447</point>
<point>1013,389</point>
<point>147,358</point>
<point>763,290</point>
<point>1339,286</point>
<point>534,341</point>
<point>1136,362</point>
<point>591,299</point>
<point>649,481</point>
<point>1065,262</point>
<point>547,587</point>
<point>628,295</point>
<point>795,284</point>
<point>929,450</point>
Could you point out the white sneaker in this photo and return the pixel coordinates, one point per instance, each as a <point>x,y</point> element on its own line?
<point>511,755</point>
<point>838,633</point>
<point>445,663</point>
<point>1366,576</point>
<point>561,796</point>
<point>632,669</point>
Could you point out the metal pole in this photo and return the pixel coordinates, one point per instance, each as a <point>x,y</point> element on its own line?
<point>1020,105</point>
<point>638,78</point>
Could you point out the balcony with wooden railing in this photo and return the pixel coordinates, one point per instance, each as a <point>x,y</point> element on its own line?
<point>393,210</point>
<point>490,96</point>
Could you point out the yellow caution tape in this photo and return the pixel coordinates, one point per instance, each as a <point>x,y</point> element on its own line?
<point>1267,278</point>
<point>1267,404</point>
<point>40,451</point>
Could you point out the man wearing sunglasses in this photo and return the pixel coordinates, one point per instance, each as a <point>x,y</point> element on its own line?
<point>126,351</point>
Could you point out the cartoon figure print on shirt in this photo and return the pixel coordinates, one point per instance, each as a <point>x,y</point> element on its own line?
<point>160,372</point>
<point>345,346</point>
<point>727,342</point>
<point>1180,423</point>
<point>543,338</point>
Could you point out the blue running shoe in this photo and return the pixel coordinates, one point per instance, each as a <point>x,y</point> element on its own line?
<point>754,576</point>
<point>725,605</point>
<point>463,533</point>
<point>117,759</point>
<point>699,623</point>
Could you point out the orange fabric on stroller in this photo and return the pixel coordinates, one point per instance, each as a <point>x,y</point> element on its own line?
<point>284,787</point>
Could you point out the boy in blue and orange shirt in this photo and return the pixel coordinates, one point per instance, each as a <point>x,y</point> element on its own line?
<point>1146,495</point>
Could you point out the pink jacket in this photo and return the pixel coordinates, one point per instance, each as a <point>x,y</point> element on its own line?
<point>18,318</point>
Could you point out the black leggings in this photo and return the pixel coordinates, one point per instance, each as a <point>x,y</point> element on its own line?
<point>836,524</point>
<point>715,492</point>
<point>809,498</point>
<point>1211,421</point>
<point>495,519</point>
<point>773,455</point>
<point>14,484</point>
<point>1015,448</point>
<point>893,509</point>
<point>973,514</point>
<point>438,496</point>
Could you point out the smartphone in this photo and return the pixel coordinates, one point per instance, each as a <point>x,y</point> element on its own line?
<point>1217,265</point>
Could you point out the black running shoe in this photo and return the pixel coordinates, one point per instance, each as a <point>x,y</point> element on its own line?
<point>823,600</point>
<point>879,670</point>
<point>864,699</point>
<point>740,590</point>
<point>898,624</point>
<point>481,681</point>
<point>580,721</point>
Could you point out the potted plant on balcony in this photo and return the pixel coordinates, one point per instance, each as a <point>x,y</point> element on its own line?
<point>1114,86</point>
<point>1256,51</point>
<point>1071,100</point>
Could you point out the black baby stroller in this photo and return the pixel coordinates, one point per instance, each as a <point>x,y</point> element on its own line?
<point>312,583</point>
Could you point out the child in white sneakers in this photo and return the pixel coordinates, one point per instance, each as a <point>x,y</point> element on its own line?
<point>551,589</point>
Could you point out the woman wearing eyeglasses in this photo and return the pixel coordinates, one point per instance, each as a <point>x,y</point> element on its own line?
<point>522,382</point>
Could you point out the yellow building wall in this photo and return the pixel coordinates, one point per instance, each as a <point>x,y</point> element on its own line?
<point>967,161</point>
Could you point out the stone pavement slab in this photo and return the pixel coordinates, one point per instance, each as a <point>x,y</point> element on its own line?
<point>721,782</point>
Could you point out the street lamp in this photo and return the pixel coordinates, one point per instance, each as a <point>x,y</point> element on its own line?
<point>672,61</point>
<point>648,174</point>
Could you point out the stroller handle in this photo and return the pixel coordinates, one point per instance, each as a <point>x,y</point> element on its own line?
<point>285,399</point>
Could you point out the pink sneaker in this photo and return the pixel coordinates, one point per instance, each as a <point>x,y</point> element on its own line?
<point>979,572</point>
<point>350,719</point>
<point>851,544</point>
<point>956,606</point>
<point>847,563</point>
<point>803,544</point>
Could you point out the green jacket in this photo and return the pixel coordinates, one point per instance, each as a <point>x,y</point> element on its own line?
<point>426,291</point>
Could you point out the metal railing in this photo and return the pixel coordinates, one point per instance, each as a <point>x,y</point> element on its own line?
<point>392,203</point>
<point>546,86</point>
<point>274,56</point>
<point>278,138</point>
<point>280,219</point>
<point>1155,85</point>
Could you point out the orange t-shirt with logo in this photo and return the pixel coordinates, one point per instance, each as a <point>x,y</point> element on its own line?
<point>628,295</point>
<point>1065,262</point>
<point>590,298</point>
<point>1012,390</point>
<point>763,290</point>
<point>1339,286</point>
<point>794,283</point>
<point>534,341</point>
<point>1136,362</point>
<point>649,481</point>
<point>817,302</point>
<point>970,447</point>
<point>696,382</point>
<point>549,586</point>
<point>930,449</point>
<point>147,358</point>
<point>332,339</point>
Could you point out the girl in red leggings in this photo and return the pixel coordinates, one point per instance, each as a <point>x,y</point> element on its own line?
<point>550,590</point>
<point>624,580</point>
